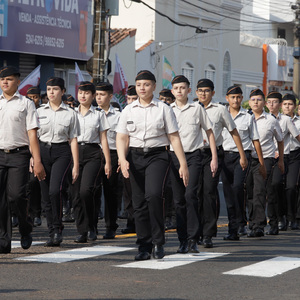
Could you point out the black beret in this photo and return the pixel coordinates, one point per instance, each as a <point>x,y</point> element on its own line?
<point>115,105</point>
<point>179,79</point>
<point>257,92</point>
<point>131,91</point>
<point>289,97</point>
<point>56,81</point>
<point>166,93</point>
<point>104,86</point>
<point>145,75</point>
<point>87,86</point>
<point>9,71</point>
<point>68,97</point>
<point>234,90</point>
<point>275,95</point>
<point>34,90</point>
<point>205,83</point>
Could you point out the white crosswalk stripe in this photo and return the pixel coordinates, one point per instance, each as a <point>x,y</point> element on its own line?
<point>171,261</point>
<point>74,254</point>
<point>268,268</point>
<point>17,244</point>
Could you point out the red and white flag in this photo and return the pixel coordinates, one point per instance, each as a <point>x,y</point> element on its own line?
<point>120,84</point>
<point>33,79</point>
<point>79,78</point>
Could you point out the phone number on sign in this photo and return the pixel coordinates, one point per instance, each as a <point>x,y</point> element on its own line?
<point>45,41</point>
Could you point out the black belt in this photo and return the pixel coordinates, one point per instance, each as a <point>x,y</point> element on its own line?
<point>14,150</point>
<point>112,151</point>
<point>235,152</point>
<point>148,150</point>
<point>49,144</point>
<point>85,144</point>
<point>207,150</point>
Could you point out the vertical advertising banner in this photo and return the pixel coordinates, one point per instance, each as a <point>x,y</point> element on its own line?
<point>60,28</point>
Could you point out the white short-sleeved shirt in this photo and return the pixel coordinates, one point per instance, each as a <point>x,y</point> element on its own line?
<point>247,129</point>
<point>112,115</point>
<point>17,116</point>
<point>268,129</point>
<point>220,118</point>
<point>57,126</point>
<point>148,126</point>
<point>91,125</point>
<point>288,129</point>
<point>191,118</point>
<point>294,143</point>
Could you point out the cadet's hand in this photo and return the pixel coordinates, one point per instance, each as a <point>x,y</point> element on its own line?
<point>124,168</point>
<point>75,173</point>
<point>39,171</point>
<point>244,163</point>
<point>263,171</point>
<point>108,170</point>
<point>281,166</point>
<point>276,154</point>
<point>184,174</point>
<point>214,166</point>
<point>31,165</point>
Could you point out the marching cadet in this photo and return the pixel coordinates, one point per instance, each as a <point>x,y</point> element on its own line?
<point>191,117</point>
<point>18,124</point>
<point>93,129</point>
<point>208,195</point>
<point>233,176</point>
<point>58,133</point>
<point>165,95</point>
<point>104,94</point>
<point>145,128</point>
<point>257,189</point>
<point>277,199</point>
<point>131,94</point>
<point>33,186</point>
<point>292,177</point>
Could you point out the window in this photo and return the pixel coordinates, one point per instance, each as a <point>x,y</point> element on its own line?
<point>280,33</point>
<point>226,72</point>
<point>188,72</point>
<point>210,73</point>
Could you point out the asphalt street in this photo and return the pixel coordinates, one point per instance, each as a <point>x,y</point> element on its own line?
<point>112,276</point>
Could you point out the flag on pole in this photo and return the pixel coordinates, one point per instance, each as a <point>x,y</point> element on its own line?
<point>33,79</point>
<point>79,78</point>
<point>168,74</point>
<point>120,84</point>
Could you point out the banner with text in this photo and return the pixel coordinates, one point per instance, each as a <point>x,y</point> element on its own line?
<point>60,28</point>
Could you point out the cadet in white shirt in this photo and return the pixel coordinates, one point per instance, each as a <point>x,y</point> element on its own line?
<point>18,131</point>
<point>104,94</point>
<point>93,129</point>
<point>208,195</point>
<point>233,176</point>
<point>58,133</point>
<point>146,127</point>
<point>191,118</point>
<point>291,211</point>
<point>276,199</point>
<point>257,189</point>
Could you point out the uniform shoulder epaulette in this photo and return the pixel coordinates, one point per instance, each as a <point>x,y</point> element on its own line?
<point>98,108</point>
<point>166,103</point>
<point>274,116</point>
<point>250,111</point>
<point>28,98</point>
<point>223,103</point>
<point>201,103</point>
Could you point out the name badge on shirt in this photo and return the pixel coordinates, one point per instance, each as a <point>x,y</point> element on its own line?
<point>129,122</point>
<point>42,117</point>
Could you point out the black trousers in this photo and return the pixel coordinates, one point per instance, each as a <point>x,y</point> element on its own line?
<point>33,191</point>
<point>147,175</point>
<point>13,179</point>
<point>83,189</point>
<point>111,193</point>
<point>209,202</point>
<point>56,159</point>
<point>257,192</point>
<point>276,194</point>
<point>127,198</point>
<point>291,188</point>
<point>186,198</point>
<point>234,179</point>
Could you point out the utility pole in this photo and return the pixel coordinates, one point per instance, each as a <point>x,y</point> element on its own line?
<point>296,52</point>
<point>99,59</point>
